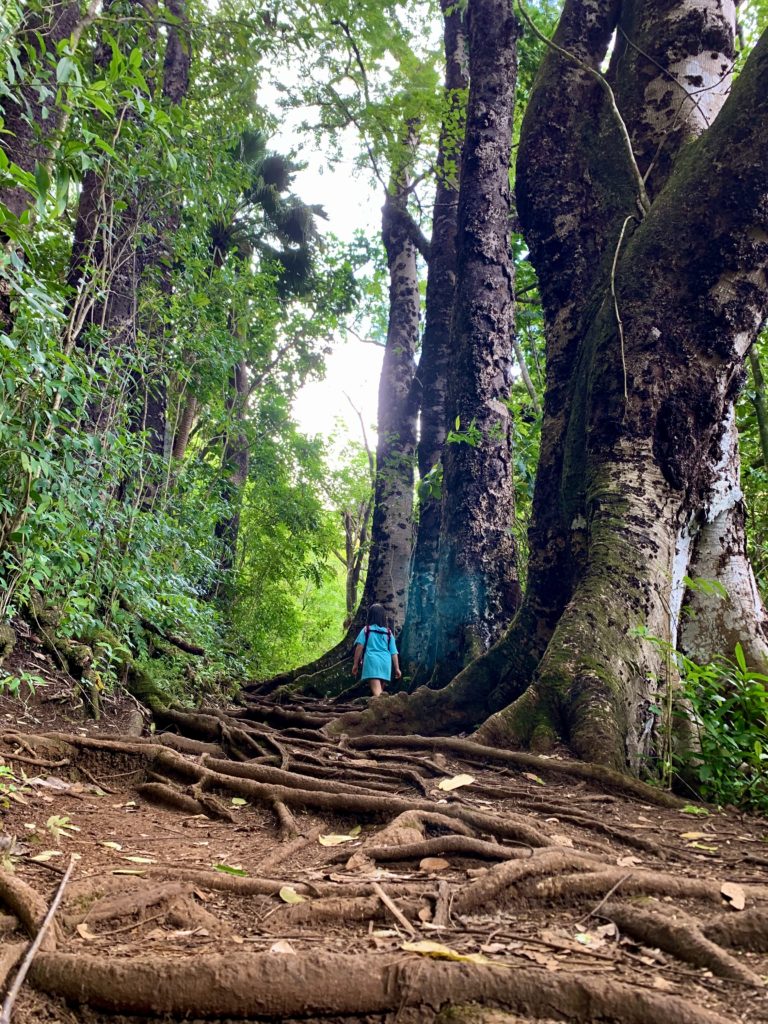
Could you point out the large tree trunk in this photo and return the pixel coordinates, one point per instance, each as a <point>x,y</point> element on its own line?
<point>416,650</point>
<point>477,586</point>
<point>637,486</point>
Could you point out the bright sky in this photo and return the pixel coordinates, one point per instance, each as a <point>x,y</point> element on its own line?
<point>353,369</point>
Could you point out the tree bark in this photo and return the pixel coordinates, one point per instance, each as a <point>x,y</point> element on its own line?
<point>690,311</point>
<point>32,122</point>
<point>157,257</point>
<point>416,650</point>
<point>392,525</point>
<point>234,470</point>
<point>649,315</point>
<point>477,586</point>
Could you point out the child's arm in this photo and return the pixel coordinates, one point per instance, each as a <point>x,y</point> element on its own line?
<point>357,659</point>
<point>396,666</point>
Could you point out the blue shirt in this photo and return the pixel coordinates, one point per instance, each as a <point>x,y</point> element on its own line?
<point>377,662</point>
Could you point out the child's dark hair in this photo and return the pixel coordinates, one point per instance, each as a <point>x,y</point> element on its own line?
<point>377,615</point>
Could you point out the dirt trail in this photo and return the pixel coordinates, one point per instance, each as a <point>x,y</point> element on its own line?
<point>242,865</point>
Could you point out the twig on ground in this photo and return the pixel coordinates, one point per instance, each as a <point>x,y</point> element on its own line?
<point>392,908</point>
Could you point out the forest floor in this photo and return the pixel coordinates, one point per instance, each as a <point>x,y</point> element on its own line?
<point>240,864</point>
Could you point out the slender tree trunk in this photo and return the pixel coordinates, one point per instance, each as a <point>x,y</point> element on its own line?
<point>234,468</point>
<point>391,543</point>
<point>759,402</point>
<point>157,258</point>
<point>477,586</point>
<point>392,526</point>
<point>32,121</point>
<point>417,653</point>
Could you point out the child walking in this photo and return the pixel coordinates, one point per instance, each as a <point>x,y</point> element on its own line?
<point>375,648</point>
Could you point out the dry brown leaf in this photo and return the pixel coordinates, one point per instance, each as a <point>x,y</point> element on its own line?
<point>628,862</point>
<point>534,778</point>
<point>282,946</point>
<point>734,894</point>
<point>425,914</point>
<point>436,949</point>
<point>334,840</point>
<point>433,864</point>
<point>458,780</point>
<point>696,835</point>
<point>85,932</point>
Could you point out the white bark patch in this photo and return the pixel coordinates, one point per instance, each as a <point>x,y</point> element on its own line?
<point>717,623</point>
<point>690,92</point>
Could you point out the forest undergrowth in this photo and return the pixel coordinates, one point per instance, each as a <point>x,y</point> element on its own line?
<point>238,863</point>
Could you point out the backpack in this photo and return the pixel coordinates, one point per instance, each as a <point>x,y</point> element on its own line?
<point>365,645</point>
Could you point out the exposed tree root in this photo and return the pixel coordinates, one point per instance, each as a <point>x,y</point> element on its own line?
<point>747,930</point>
<point>599,774</point>
<point>642,882</point>
<point>110,908</point>
<point>167,796</point>
<point>274,986</point>
<point>683,940</point>
<point>491,885</point>
<point>462,846</point>
<point>10,954</point>
<point>282,854</point>
<point>288,827</point>
<point>27,905</point>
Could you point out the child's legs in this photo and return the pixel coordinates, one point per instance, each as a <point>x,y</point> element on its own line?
<point>376,687</point>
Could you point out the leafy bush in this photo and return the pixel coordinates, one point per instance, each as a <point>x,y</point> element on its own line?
<point>729,702</point>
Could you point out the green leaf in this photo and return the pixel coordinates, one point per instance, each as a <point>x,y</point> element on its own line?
<point>228,869</point>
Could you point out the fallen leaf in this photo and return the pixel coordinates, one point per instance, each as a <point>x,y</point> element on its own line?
<point>333,840</point>
<point>112,846</point>
<point>237,801</point>
<point>230,869</point>
<point>734,894</point>
<point>436,949</point>
<point>702,846</point>
<point>494,947</point>
<point>355,831</point>
<point>695,809</point>
<point>85,932</point>
<point>289,895</point>
<point>454,783</point>
<point>433,864</point>
<point>282,946</point>
<point>424,914</point>
<point>628,862</point>
<point>45,855</point>
<point>140,860</point>
<point>663,983</point>
<point>695,835</point>
<point>534,778</point>
<point>238,939</point>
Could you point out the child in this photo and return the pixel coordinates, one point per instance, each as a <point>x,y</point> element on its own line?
<point>375,647</point>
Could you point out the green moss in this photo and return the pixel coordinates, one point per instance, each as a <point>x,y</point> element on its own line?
<point>7,641</point>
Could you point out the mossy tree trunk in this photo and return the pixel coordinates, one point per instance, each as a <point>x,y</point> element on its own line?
<point>416,650</point>
<point>651,304</point>
<point>477,589</point>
